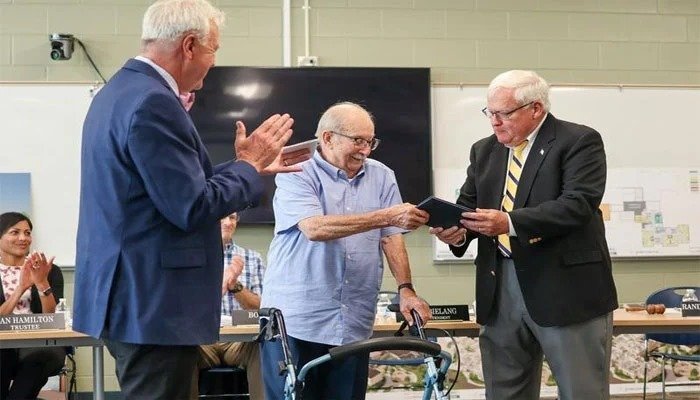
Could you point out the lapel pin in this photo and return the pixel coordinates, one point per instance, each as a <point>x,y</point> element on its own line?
<point>541,152</point>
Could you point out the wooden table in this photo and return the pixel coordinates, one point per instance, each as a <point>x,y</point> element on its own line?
<point>641,322</point>
<point>245,333</point>
<point>623,322</point>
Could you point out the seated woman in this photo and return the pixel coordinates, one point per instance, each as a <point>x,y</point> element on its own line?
<point>30,284</point>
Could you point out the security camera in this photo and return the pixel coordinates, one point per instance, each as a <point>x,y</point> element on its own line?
<point>61,46</point>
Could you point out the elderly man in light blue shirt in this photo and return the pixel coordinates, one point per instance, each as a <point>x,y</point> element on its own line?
<point>333,220</point>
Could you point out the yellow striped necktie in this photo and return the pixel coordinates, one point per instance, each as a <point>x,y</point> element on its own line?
<point>515,168</point>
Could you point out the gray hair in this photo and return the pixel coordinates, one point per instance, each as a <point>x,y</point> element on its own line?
<point>528,87</point>
<point>168,20</point>
<point>333,118</point>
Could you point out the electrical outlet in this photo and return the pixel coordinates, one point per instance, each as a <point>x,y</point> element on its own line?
<point>307,61</point>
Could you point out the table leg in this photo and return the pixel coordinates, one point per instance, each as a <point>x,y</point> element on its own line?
<point>98,376</point>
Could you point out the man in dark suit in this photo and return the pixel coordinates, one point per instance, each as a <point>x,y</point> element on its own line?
<point>149,256</point>
<point>544,283</point>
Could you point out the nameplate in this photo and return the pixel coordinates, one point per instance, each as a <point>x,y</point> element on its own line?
<point>245,317</point>
<point>459,312</point>
<point>690,309</point>
<point>32,322</point>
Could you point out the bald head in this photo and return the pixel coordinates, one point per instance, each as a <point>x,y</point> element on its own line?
<point>340,116</point>
<point>345,132</point>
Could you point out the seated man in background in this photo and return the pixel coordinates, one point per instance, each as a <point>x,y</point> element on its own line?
<point>241,289</point>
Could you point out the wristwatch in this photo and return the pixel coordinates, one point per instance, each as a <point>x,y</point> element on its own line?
<point>45,292</point>
<point>237,287</point>
<point>407,285</point>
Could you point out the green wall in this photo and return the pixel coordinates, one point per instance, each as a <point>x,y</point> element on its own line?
<point>568,41</point>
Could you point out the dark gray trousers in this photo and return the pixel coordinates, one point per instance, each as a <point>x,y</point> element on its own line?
<point>513,346</point>
<point>152,372</point>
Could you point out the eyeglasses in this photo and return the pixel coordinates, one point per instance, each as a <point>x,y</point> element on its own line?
<point>361,142</point>
<point>502,115</point>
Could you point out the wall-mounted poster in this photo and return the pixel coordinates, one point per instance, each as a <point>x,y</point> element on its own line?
<point>15,192</point>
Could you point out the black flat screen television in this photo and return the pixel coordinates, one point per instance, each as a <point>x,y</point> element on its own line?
<point>399,99</point>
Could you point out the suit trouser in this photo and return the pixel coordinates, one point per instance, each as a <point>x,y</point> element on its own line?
<point>513,345</point>
<point>243,354</point>
<point>153,372</point>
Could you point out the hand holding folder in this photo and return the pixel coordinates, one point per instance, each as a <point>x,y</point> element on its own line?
<point>443,214</point>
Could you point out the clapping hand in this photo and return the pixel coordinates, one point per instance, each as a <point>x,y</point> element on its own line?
<point>287,162</point>
<point>35,270</point>
<point>263,147</point>
<point>232,273</point>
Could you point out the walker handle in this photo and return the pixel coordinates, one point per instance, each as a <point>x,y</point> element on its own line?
<point>385,343</point>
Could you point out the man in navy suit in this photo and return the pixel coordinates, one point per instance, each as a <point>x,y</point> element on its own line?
<point>544,284</point>
<point>149,245</point>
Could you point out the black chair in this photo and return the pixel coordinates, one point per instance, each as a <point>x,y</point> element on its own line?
<point>220,383</point>
<point>671,298</point>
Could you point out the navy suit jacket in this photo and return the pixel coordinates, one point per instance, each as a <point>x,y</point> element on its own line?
<point>149,252</point>
<point>560,252</point>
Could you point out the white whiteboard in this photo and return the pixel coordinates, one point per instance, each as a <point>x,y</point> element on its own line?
<point>41,131</point>
<point>641,127</point>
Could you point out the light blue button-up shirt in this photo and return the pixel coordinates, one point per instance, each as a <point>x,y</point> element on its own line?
<point>327,290</point>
